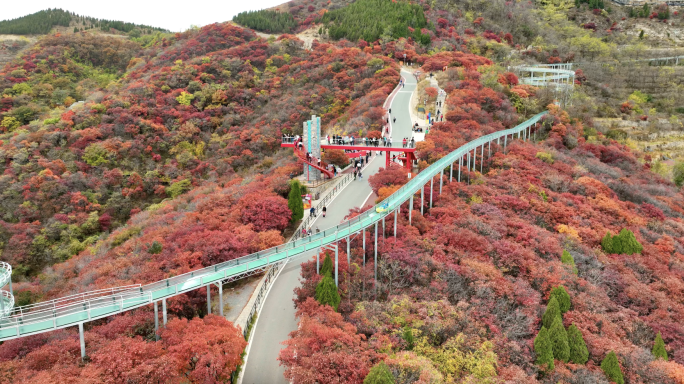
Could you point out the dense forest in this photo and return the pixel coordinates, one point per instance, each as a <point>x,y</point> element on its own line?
<point>371,20</point>
<point>267,21</point>
<point>42,22</point>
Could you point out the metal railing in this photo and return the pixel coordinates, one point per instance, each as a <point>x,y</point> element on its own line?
<point>37,319</point>
<point>360,142</point>
<point>322,203</point>
<point>261,296</point>
<point>6,297</point>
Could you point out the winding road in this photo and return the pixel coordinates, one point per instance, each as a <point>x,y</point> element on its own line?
<point>277,318</point>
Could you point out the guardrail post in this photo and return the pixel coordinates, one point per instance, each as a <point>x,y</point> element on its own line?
<point>164,311</point>
<point>208,299</point>
<point>220,287</point>
<point>396,212</point>
<point>410,209</point>
<point>80,336</point>
<point>156,321</point>
<point>375,264</point>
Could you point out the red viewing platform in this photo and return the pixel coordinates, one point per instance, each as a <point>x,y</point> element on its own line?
<point>407,158</point>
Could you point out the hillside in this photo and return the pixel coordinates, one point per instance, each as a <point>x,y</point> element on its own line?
<point>132,159</point>
<point>43,22</point>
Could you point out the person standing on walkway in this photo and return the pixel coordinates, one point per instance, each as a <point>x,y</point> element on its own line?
<point>394,120</point>
<point>390,110</point>
<point>324,210</point>
<point>403,143</point>
<point>354,174</point>
<point>312,212</point>
<point>318,230</point>
<point>303,232</point>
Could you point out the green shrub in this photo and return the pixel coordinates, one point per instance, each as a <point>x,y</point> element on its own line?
<point>562,297</point>
<point>544,350</point>
<point>178,188</point>
<point>622,244</point>
<point>678,174</point>
<point>408,337</point>
<point>326,292</point>
<point>611,367</point>
<point>567,259</point>
<point>379,374</point>
<point>545,157</point>
<point>659,348</point>
<point>125,235</point>
<point>616,134</point>
<point>559,340</point>
<point>155,248</point>
<point>552,311</point>
<point>579,354</point>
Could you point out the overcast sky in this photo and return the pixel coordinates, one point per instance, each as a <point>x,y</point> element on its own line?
<point>164,14</point>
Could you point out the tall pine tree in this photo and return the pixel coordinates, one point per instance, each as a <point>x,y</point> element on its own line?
<point>544,350</point>
<point>579,354</point>
<point>326,292</point>
<point>562,297</point>
<point>611,367</point>
<point>659,348</point>
<point>552,311</point>
<point>327,267</point>
<point>559,340</point>
<point>294,201</point>
<point>567,259</point>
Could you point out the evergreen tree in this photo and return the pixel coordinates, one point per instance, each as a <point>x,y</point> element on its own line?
<point>552,311</point>
<point>294,201</point>
<point>559,340</point>
<point>607,243</point>
<point>408,337</point>
<point>327,267</point>
<point>566,258</point>
<point>544,350</point>
<point>659,348</point>
<point>379,374</point>
<point>562,297</point>
<point>326,292</point>
<point>579,354</point>
<point>611,367</point>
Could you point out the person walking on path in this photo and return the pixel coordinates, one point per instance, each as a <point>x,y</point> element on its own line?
<point>403,143</point>
<point>390,110</point>
<point>312,212</point>
<point>354,174</point>
<point>394,120</point>
<point>318,230</point>
<point>303,232</point>
<point>324,210</point>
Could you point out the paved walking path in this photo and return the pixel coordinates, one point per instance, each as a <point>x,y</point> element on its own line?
<point>277,318</point>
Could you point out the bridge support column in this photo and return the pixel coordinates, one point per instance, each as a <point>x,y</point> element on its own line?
<point>156,321</point>
<point>422,199</point>
<point>348,250</point>
<point>383,230</point>
<point>364,247</point>
<point>164,311</point>
<point>375,263</point>
<point>482,158</point>
<point>505,140</point>
<point>318,262</point>
<point>220,286</point>
<point>336,254</point>
<point>410,209</point>
<point>441,177</point>
<point>82,340</point>
<point>396,212</point>
<point>451,173</point>
<point>460,162</point>
<point>468,167</point>
<point>432,182</point>
<point>490,149</point>
<point>208,299</point>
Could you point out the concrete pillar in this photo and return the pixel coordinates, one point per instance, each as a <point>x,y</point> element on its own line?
<point>460,162</point>
<point>80,336</point>
<point>364,246</point>
<point>337,245</point>
<point>482,158</point>
<point>468,167</point>
<point>505,140</point>
<point>375,264</point>
<point>318,262</point>
<point>490,149</point>
<point>164,311</point>
<point>209,299</point>
<point>156,321</point>
<point>220,285</point>
<point>396,212</point>
<point>348,250</point>
<point>432,182</point>
<point>410,209</point>
<point>451,173</point>
<point>422,199</point>
<point>441,176</point>
<point>383,229</point>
